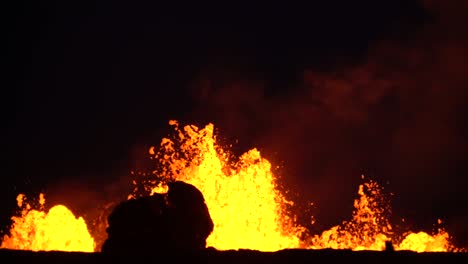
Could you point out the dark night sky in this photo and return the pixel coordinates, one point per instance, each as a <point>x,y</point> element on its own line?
<point>329,90</point>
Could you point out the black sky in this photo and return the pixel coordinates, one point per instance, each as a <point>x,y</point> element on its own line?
<point>329,90</point>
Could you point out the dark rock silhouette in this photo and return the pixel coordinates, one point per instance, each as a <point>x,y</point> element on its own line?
<point>189,215</point>
<point>389,246</point>
<point>177,220</point>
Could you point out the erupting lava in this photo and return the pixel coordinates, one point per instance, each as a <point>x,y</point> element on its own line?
<point>249,212</point>
<point>370,229</point>
<point>244,200</point>
<point>57,229</point>
<point>246,207</point>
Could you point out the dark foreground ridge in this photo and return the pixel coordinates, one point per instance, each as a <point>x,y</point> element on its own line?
<point>173,228</point>
<point>235,256</point>
<point>177,220</point>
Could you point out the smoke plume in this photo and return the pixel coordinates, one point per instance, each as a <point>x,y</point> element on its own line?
<point>397,114</point>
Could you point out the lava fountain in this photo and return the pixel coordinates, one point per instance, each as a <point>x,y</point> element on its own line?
<point>369,228</point>
<point>243,197</point>
<point>249,211</point>
<point>37,230</point>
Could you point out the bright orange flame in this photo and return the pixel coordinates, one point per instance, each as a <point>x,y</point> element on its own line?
<point>370,228</point>
<point>249,211</point>
<point>423,242</point>
<point>244,201</point>
<point>57,229</point>
<point>242,197</point>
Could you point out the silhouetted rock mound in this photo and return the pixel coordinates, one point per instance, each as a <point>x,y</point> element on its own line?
<point>177,220</point>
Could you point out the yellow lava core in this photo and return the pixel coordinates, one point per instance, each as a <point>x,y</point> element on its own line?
<point>58,229</point>
<point>244,203</point>
<point>249,212</point>
<point>370,229</point>
<point>242,194</point>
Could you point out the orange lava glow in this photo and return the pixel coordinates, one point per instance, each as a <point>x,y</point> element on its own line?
<point>249,211</point>
<point>58,229</point>
<point>243,197</point>
<point>370,228</point>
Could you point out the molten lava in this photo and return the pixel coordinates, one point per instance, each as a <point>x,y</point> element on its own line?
<point>58,229</point>
<point>249,212</point>
<point>244,203</point>
<point>243,197</point>
<point>370,229</point>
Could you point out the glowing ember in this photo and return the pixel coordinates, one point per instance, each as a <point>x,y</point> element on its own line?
<point>244,200</point>
<point>370,228</point>
<point>249,211</point>
<point>423,242</point>
<point>246,207</point>
<point>57,229</point>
